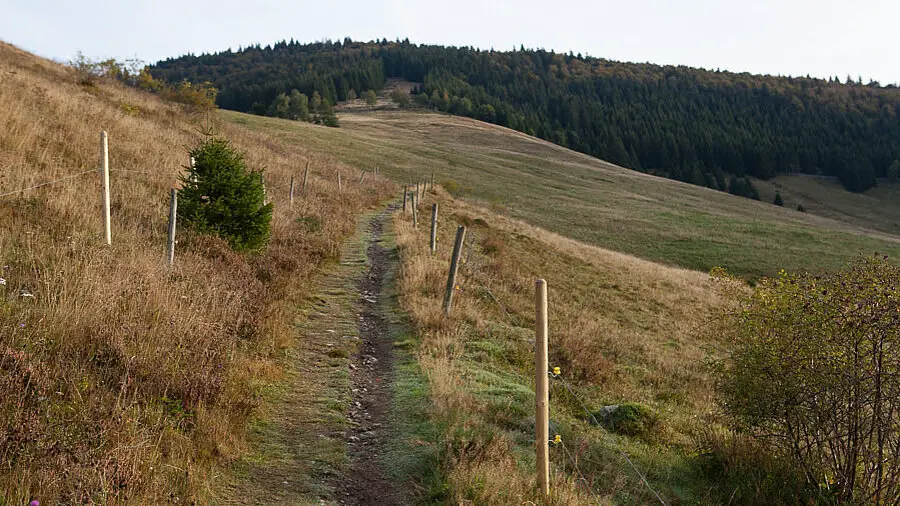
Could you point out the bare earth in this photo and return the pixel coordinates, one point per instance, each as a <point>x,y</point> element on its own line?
<point>371,374</point>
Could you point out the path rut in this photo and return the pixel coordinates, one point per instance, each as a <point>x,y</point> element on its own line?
<point>371,375</point>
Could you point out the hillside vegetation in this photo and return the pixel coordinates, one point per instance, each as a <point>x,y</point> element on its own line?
<point>709,128</point>
<point>123,381</point>
<point>590,200</point>
<point>623,331</point>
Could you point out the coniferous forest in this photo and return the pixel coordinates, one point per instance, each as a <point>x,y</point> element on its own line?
<point>708,128</point>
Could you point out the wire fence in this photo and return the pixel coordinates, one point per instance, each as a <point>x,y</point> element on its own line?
<point>473,267</point>
<point>46,183</point>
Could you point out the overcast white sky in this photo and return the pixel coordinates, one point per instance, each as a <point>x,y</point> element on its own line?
<point>787,37</point>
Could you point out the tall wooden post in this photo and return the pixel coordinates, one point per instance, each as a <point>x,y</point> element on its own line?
<point>340,186</point>
<point>173,214</point>
<point>193,175</point>
<point>292,191</point>
<point>542,396</point>
<point>454,268</point>
<point>405,197</point>
<point>262,181</point>
<point>416,198</point>
<point>305,176</point>
<point>104,182</point>
<point>415,214</point>
<point>434,212</point>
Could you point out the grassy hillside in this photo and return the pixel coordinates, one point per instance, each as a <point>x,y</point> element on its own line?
<point>876,209</point>
<point>587,199</point>
<point>622,330</point>
<point>122,381</point>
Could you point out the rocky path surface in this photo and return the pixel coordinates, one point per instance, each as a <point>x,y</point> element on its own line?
<point>371,375</point>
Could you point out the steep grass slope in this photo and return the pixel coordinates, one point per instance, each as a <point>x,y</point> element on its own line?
<point>585,198</point>
<point>122,381</point>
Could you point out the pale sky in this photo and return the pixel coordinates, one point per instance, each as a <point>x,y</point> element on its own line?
<point>787,37</point>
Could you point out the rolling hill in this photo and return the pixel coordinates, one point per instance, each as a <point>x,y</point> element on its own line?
<point>705,127</point>
<point>594,201</point>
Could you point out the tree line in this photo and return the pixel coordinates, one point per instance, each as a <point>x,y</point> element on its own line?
<point>704,127</point>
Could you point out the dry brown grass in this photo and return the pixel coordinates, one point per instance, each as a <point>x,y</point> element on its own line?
<point>622,329</point>
<point>124,382</point>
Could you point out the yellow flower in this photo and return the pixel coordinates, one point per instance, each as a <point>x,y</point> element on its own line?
<point>556,371</point>
<point>557,439</point>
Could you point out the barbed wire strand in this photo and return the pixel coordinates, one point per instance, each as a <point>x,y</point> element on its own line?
<point>575,465</point>
<point>48,183</point>
<point>621,451</point>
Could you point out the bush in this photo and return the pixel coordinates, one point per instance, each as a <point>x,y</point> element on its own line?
<point>814,371</point>
<point>401,98</point>
<point>221,196</point>
<point>370,97</point>
<point>629,419</point>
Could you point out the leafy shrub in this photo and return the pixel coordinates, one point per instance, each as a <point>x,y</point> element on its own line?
<point>814,371</point>
<point>629,419</point>
<point>221,196</point>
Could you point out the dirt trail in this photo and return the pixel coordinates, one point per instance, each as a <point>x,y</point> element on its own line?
<point>298,445</point>
<point>371,374</point>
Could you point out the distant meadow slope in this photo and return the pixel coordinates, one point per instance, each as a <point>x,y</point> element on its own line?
<point>590,200</point>
<point>706,127</point>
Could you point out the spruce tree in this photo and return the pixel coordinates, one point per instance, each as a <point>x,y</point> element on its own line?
<point>778,200</point>
<point>222,196</point>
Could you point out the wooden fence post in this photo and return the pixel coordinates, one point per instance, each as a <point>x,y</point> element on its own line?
<point>434,212</point>
<point>340,186</point>
<point>305,175</point>
<point>104,182</point>
<point>173,215</point>
<point>454,268</point>
<point>542,396</point>
<point>292,191</point>
<point>405,196</point>
<point>193,176</point>
<point>262,181</point>
<point>415,215</point>
<point>416,199</point>
<point>361,176</point>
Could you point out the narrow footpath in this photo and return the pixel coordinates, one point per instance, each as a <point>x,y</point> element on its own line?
<point>325,427</point>
<point>371,376</point>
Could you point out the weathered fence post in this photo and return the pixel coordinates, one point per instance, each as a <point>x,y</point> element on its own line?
<point>361,176</point>
<point>454,268</point>
<point>292,191</point>
<point>405,197</point>
<point>104,182</point>
<point>434,221</point>
<point>542,396</point>
<point>262,181</point>
<point>173,215</point>
<point>415,215</point>
<point>416,198</point>
<point>340,186</point>
<point>305,175</point>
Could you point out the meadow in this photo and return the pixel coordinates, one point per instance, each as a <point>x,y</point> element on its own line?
<point>593,201</point>
<point>124,381</point>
